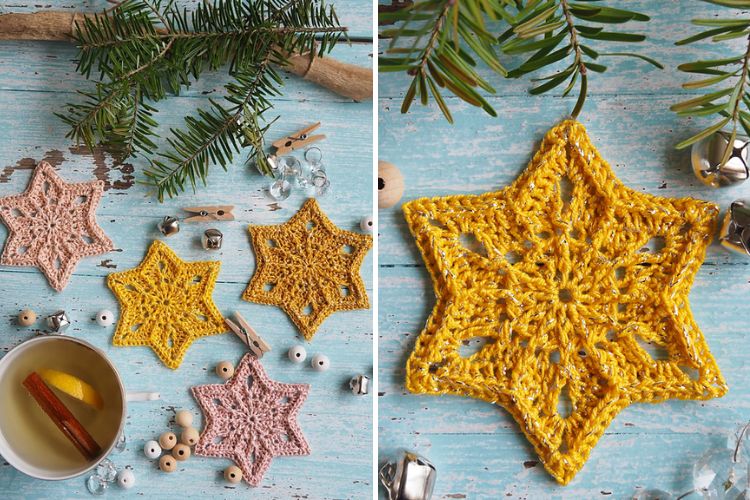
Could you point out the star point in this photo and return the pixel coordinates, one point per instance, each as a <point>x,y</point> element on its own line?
<point>166,304</point>
<point>569,281</point>
<point>52,225</point>
<point>251,419</point>
<point>309,268</point>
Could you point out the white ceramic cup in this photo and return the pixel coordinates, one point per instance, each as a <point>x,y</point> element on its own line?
<point>110,422</point>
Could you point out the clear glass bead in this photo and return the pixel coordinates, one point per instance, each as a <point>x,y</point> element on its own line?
<point>716,473</point>
<point>290,166</point>
<point>652,494</point>
<point>280,189</point>
<point>740,490</point>
<point>314,156</point>
<point>122,442</point>
<point>273,164</point>
<point>96,485</point>
<point>106,470</point>
<point>320,182</point>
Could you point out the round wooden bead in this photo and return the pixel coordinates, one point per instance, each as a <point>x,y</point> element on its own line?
<point>390,184</point>
<point>167,440</point>
<point>126,479</point>
<point>152,449</point>
<point>181,452</point>
<point>320,363</point>
<point>105,317</point>
<point>189,436</point>
<point>225,370</point>
<point>27,317</point>
<point>184,418</point>
<point>233,474</point>
<point>167,463</point>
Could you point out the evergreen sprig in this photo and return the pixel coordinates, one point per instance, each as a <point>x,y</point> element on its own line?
<point>552,31</point>
<point>727,95</point>
<point>144,50</point>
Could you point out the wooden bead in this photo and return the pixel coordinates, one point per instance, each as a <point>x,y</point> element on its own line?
<point>225,370</point>
<point>27,317</point>
<point>181,452</point>
<point>390,184</point>
<point>184,418</point>
<point>233,474</point>
<point>167,440</point>
<point>167,463</point>
<point>189,436</point>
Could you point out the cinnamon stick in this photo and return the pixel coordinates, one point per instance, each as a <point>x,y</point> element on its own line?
<point>61,416</point>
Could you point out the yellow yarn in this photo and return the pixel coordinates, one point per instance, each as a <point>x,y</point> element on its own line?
<point>308,267</point>
<point>565,298</point>
<point>166,303</point>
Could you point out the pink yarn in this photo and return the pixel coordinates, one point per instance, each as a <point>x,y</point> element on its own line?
<point>251,419</point>
<point>52,225</point>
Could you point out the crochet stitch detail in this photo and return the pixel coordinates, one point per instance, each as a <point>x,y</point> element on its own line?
<point>166,304</point>
<point>308,267</point>
<point>567,293</point>
<point>52,225</point>
<point>251,419</point>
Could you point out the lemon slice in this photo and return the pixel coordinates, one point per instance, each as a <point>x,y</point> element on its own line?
<point>72,386</point>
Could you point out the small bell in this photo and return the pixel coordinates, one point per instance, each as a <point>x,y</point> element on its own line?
<point>169,225</point>
<point>735,231</point>
<point>706,158</point>
<point>57,322</point>
<point>360,385</point>
<point>211,239</point>
<point>411,477</point>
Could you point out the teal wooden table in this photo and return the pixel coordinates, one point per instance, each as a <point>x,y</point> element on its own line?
<point>35,81</point>
<point>477,448</point>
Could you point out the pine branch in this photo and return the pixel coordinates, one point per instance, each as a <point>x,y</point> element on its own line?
<point>145,49</point>
<point>452,28</point>
<point>731,73</point>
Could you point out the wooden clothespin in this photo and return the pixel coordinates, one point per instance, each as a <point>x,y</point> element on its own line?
<point>208,214</point>
<point>249,336</point>
<point>297,140</point>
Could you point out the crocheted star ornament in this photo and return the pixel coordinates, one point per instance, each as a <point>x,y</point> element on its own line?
<point>566,296</point>
<point>166,304</point>
<point>251,419</point>
<point>52,225</point>
<point>308,267</point>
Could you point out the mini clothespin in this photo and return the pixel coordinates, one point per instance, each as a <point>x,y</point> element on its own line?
<point>297,140</point>
<point>208,214</point>
<point>249,336</point>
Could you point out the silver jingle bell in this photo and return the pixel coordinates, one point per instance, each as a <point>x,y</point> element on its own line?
<point>735,231</point>
<point>211,239</point>
<point>706,156</point>
<point>411,477</point>
<point>169,225</point>
<point>57,322</point>
<point>360,385</point>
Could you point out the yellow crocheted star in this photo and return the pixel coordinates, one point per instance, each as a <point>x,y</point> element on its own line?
<point>570,283</point>
<point>166,304</point>
<point>308,267</point>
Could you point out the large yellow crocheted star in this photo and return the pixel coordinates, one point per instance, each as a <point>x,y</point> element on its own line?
<point>569,291</point>
<point>166,303</point>
<point>308,267</point>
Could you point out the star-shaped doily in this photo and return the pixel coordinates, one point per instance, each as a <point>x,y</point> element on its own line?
<point>251,419</point>
<point>308,267</point>
<point>52,225</point>
<point>166,303</point>
<point>571,283</point>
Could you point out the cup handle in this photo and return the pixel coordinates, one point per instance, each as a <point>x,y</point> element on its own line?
<point>142,396</point>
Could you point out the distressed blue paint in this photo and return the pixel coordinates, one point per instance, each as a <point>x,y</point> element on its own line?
<point>37,78</point>
<point>478,449</point>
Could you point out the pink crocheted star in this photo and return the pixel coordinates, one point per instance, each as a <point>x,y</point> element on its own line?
<point>52,225</point>
<point>251,419</point>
